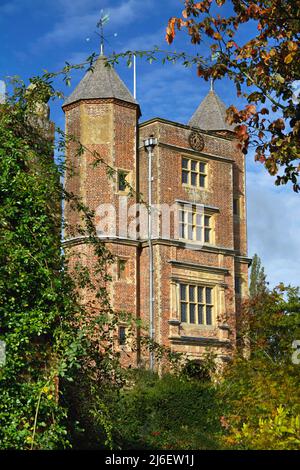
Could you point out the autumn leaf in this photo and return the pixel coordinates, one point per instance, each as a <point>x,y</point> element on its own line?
<point>184,14</point>
<point>217,36</point>
<point>292,46</point>
<point>265,56</point>
<point>170,33</point>
<point>251,109</point>
<point>288,58</point>
<point>209,31</point>
<point>261,159</point>
<point>279,77</point>
<point>260,70</point>
<point>253,9</point>
<point>230,44</point>
<point>242,131</point>
<point>265,61</point>
<point>279,124</point>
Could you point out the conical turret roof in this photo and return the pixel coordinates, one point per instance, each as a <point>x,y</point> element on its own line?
<point>101,82</point>
<point>211,114</point>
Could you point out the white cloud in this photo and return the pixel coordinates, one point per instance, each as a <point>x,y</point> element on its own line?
<point>273,226</point>
<point>79,19</point>
<point>145,41</point>
<point>68,29</point>
<point>76,58</point>
<point>72,7</point>
<point>16,6</point>
<point>170,91</point>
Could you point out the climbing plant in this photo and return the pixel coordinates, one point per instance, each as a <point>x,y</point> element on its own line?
<point>43,318</point>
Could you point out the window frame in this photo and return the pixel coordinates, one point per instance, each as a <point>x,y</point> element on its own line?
<point>127,174</point>
<point>198,303</point>
<point>238,282</point>
<point>237,213</point>
<point>197,172</point>
<point>122,338</point>
<point>188,223</point>
<point>121,274</point>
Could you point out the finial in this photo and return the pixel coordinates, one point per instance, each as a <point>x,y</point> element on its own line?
<point>211,84</point>
<point>103,20</point>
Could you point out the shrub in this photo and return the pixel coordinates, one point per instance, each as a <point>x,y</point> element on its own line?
<point>279,432</point>
<point>166,413</point>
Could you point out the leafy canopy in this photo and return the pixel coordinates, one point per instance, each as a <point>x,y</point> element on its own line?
<point>264,68</point>
<point>258,283</point>
<point>260,392</point>
<point>44,321</point>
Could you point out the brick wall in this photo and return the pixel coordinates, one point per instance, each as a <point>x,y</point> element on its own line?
<point>109,128</point>
<point>226,179</point>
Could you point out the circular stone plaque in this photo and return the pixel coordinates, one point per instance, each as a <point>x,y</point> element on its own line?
<point>196,141</point>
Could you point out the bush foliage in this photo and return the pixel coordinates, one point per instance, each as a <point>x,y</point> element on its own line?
<point>171,412</point>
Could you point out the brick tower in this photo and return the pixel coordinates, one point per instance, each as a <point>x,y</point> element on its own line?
<point>200,265</point>
<point>102,114</point>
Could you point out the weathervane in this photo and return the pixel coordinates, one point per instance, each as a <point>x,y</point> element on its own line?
<point>104,19</point>
<point>101,23</point>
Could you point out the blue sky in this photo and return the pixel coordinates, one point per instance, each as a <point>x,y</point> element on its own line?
<point>43,34</point>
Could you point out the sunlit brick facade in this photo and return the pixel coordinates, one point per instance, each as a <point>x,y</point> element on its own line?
<point>201,265</point>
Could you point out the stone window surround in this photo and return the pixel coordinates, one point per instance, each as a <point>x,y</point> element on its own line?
<point>236,209</point>
<point>243,284</point>
<point>128,178</point>
<point>196,275</point>
<point>127,345</point>
<point>122,335</point>
<point>125,258</point>
<point>189,171</point>
<point>197,301</point>
<point>207,211</point>
<point>206,225</point>
<point>121,270</point>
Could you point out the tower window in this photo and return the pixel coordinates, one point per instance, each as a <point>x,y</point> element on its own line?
<point>194,225</point>
<point>207,229</point>
<point>122,335</point>
<point>121,269</point>
<point>238,285</point>
<point>236,206</point>
<point>196,304</point>
<point>194,172</point>
<point>123,181</point>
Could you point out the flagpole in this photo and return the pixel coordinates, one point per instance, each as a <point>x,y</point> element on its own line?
<point>134,76</point>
